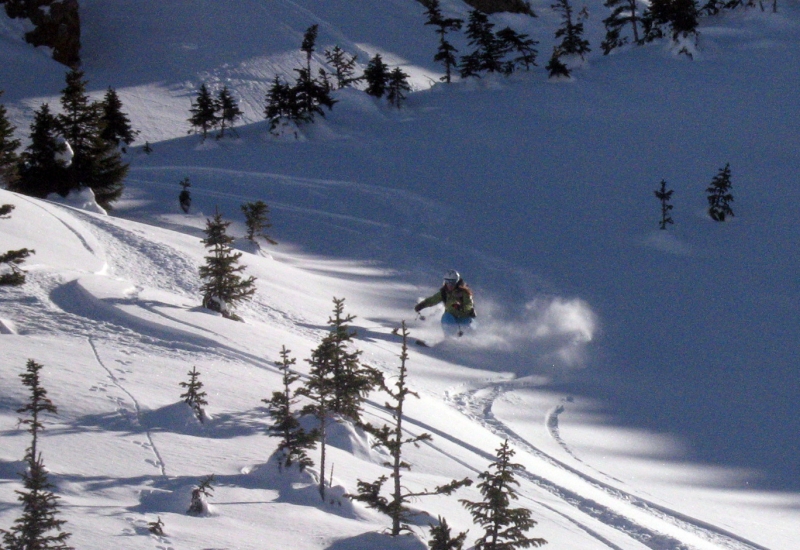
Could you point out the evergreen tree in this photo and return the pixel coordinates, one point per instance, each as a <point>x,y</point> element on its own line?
<point>295,441</point>
<point>623,12</point>
<point>570,32</point>
<point>156,527</point>
<point>281,105</point>
<point>39,503</point>
<point>223,288</point>
<point>393,440</point>
<point>720,196</point>
<point>664,196</point>
<point>680,17</point>
<point>229,110</point>
<point>42,171</point>
<point>555,67</point>
<point>489,49</point>
<point>256,218</point>
<point>397,86</point>
<point>344,66</point>
<point>504,526</point>
<point>185,197</point>
<point>377,76</point>
<point>9,161</point>
<point>352,381</point>
<point>522,45</point>
<point>195,397</point>
<point>205,112</point>
<point>446,52</point>
<point>116,126</point>
<point>441,539</point>
<point>310,94</point>
<point>96,163</point>
<point>12,258</point>
<point>200,494</point>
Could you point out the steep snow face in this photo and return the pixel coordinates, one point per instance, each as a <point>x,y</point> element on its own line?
<point>646,378</point>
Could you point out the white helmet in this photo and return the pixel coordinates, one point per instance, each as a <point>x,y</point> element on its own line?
<point>452,277</point>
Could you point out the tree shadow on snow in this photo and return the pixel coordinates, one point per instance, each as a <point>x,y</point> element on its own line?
<point>379,540</point>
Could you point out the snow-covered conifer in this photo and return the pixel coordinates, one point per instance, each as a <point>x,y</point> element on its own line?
<point>223,288</point>
<point>200,495</point>
<point>720,196</point>
<point>504,527</point>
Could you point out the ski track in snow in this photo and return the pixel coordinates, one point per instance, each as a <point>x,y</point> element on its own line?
<point>479,408</point>
<point>159,462</point>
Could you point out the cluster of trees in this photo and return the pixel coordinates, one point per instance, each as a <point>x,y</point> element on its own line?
<point>718,194</point>
<point>211,112</point>
<point>56,24</point>
<point>80,147</point>
<point>334,391</point>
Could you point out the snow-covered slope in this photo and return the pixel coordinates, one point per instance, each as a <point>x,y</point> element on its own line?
<point>646,379</point>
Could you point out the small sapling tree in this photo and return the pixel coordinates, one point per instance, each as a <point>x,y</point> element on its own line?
<point>504,527</point>
<point>392,439</point>
<point>156,527</point>
<point>720,196</point>
<point>185,197</point>
<point>442,539</point>
<point>623,12</point>
<point>223,288</point>
<point>555,67</point>
<point>40,505</point>
<point>570,32</point>
<point>200,495</point>
<point>377,76</point>
<point>344,66</point>
<point>295,441</point>
<point>195,397</point>
<point>12,258</point>
<point>256,219</point>
<point>664,196</point>
<point>397,87</point>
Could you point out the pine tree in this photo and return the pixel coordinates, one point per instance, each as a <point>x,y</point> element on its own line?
<point>310,94</point>
<point>555,67</point>
<point>441,539</point>
<point>256,219</point>
<point>205,112</point>
<point>224,288</point>
<point>352,381</point>
<point>522,45</point>
<point>377,76</point>
<point>42,171</point>
<point>446,52</point>
<point>570,32</point>
<point>229,111</point>
<point>295,441</point>
<point>12,258</point>
<point>116,126</point>
<point>9,161</point>
<point>39,503</point>
<point>489,50</point>
<point>504,526</point>
<point>623,12</point>
<point>393,440</point>
<point>397,86</point>
<point>96,163</point>
<point>664,196</point>
<point>195,397</point>
<point>200,494</point>
<point>720,196</point>
<point>281,105</point>
<point>185,197</point>
<point>344,67</point>
<point>679,16</point>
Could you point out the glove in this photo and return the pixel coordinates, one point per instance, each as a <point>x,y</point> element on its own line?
<point>457,306</point>
<point>418,308</point>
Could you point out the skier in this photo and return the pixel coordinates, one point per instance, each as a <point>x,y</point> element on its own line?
<point>459,309</point>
